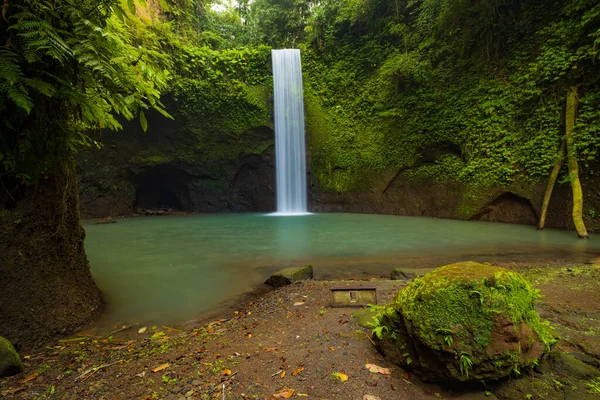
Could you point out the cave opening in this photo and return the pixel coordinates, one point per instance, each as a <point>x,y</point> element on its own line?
<point>162,187</point>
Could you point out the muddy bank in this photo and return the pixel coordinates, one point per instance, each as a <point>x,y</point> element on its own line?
<point>291,338</point>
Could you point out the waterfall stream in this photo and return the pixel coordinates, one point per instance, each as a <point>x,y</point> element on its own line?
<point>290,152</point>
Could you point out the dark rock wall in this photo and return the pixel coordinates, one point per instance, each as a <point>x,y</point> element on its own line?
<point>180,164</point>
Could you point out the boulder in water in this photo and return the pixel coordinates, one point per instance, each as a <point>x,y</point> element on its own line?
<point>290,275</point>
<point>10,363</point>
<point>464,322</point>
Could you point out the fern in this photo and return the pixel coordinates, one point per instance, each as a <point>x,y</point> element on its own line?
<point>73,63</point>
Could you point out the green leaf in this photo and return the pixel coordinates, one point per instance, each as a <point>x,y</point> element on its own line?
<point>143,121</point>
<point>131,4</point>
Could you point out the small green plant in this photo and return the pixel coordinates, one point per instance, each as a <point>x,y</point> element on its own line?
<point>168,380</point>
<point>378,330</point>
<point>216,366</point>
<point>447,334</point>
<point>465,363</point>
<point>43,368</point>
<point>322,311</point>
<point>594,386</point>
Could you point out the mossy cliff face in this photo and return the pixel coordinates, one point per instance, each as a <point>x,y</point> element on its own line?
<point>369,167</point>
<point>217,155</point>
<point>465,322</point>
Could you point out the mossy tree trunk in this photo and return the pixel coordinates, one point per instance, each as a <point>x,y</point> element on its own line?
<point>570,114</point>
<point>46,288</point>
<point>550,187</point>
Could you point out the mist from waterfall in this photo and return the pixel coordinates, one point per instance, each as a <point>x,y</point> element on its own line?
<point>290,149</point>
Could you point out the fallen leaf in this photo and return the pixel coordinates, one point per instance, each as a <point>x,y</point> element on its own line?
<point>302,394</point>
<point>249,335</point>
<point>12,391</point>
<point>157,335</point>
<point>439,396</point>
<point>282,374</point>
<point>299,303</point>
<point>141,374</point>
<point>226,371</point>
<point>296,372</point>
<point>331,348</point>
<point>142,330</point>
<point>284,394</point>
<point>370,397</point>
<point>341,376</point>
<point>160,367</point>
<point>29,377</point>
<point>377,369</point>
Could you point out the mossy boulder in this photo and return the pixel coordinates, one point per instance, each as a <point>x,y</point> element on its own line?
<point>464,322</point>
<point>10,363</point>
<point>290,275</point>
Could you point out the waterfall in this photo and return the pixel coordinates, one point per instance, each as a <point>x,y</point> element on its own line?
<point>290,152</point>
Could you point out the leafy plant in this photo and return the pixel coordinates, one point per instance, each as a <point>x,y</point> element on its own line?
<point>465,363</point>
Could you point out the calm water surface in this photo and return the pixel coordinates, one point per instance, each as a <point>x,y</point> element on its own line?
<point>171,269</point>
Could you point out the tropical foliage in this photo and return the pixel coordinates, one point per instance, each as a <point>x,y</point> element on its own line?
<point>68,70</point>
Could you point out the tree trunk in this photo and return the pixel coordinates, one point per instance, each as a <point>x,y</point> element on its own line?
<point>551,181</point>
<point>570,112</point>
<point>46,288</point>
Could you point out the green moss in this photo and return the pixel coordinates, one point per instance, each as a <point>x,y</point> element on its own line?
<point>150,160</point>
<point>10,362</point>
<point>455,309</point>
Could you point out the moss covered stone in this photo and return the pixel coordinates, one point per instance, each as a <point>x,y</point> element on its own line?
<point>10,363</point>
<point>465,322</point>
<point>288,276</point>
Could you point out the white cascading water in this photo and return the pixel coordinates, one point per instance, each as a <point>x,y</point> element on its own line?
<point>290,154</point>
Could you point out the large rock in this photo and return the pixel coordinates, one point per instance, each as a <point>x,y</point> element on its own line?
<point>464,322</point>
<point>290,275</point>
<point>402,274</point>
<point>10,363</point>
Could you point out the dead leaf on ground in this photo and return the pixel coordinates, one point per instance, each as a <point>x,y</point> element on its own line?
<point>299,303</point>
<point>226,371</point>
<point>142,330</point>
<point>30,377</point>
<point>331,348</point>
<point>282,374</point>
<point>158,335</point>
<point>284,394</point>
<point>12,391</point>
<point>296,372</point>
<point>160,367</point>
<point>377,369</point>
<point>341,376</point>
<point>370,397</point>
